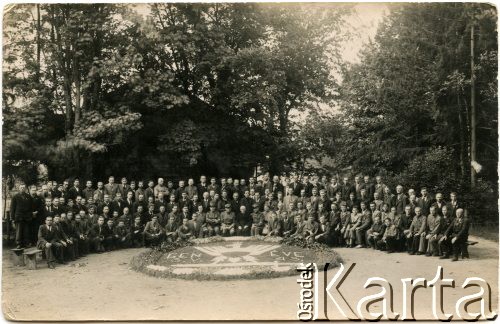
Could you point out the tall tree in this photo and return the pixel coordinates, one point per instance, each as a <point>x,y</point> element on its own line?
<point>411,90</point>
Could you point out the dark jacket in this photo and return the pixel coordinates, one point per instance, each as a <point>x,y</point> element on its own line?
<point>21,208</point>
<point>46,236</point>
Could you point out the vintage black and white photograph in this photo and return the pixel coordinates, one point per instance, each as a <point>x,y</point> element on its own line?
<point>223,161</point>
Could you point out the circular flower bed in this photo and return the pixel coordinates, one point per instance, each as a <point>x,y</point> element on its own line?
<point>217,258</point>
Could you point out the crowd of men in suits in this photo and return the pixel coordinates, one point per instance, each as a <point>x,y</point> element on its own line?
<point>67,221</point>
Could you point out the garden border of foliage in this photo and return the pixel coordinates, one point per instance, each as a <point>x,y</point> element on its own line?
<point>140,262</point>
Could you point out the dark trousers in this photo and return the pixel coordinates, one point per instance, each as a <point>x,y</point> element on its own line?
<point>52,253</point>
<point>373,241</point>
<point>361,235</point>
<point>152,240</point>
<point>324,239</point>
<point>35,225</point>
<point>96,244</point>
<point>109,243</point>
<point>391,244</point>
<point>83,246</point>
<point>241,230</point>
<point>123,242</point>
<point>413,244</point>
<point>72,250</point>
<point>458,248</point>
<point>137,239</point>
<point>23,232</point>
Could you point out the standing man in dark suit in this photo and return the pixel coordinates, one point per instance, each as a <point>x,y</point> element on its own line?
<point>191,189</point>
<point>424,202</point>
<point>213,185</point>
<point>453,204</point>
<point>358,185</point>
<point>307,185</point>
<point>74,191</point>
<point>88,192</point>
<point>439,203</point>
<point>150,191</point>
<point>203,186</point>
<point>276,186</point>
<point>369,187</point>
<point>99,193</point>
<point>111,188</point>
<point>332,188</point>
<point>21,210</point>
<point>400,200</point>
<point>346,188</point>
<point>380,186</point>
<point>38,219</point>
<point>123,188</point>
<point>117,204</point>
<point>129,201</point>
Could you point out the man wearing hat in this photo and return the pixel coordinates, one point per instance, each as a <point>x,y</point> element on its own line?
<point>153,232</point>
<point>257,220</point>
<point>212,219</point>
<point>287,223</point>
<point>228,221</point>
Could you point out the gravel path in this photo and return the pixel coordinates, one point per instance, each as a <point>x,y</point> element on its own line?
<point>102,287</point>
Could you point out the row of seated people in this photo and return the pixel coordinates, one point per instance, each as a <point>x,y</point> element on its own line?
<point>438,233</point>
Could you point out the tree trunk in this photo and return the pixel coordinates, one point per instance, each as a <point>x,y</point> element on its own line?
<point>68,125</point>
<point>38,46</point>
<point>473,144</point>
<point>463,144</point>
<point>76,76</point>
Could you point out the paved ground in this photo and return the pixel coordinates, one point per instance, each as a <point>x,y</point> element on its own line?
<point>102,287</point>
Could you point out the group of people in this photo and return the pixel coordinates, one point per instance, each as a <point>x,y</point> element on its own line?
<point>67,221</point>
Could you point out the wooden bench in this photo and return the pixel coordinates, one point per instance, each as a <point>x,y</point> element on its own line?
<point>18,257</point>
<point>30,258</point>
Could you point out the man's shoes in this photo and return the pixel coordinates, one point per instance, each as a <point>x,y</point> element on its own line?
<point>412,253</point>
<point>359,246</point>
<point>51,265</point>
<point>419,253</point>
<point>455,258</point>
<point>428,254</point>
<point>444,256</point>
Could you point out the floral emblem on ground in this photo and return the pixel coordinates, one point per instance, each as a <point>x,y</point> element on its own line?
<point>228,258</point>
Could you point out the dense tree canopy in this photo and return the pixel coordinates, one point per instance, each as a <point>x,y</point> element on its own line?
<point>411,90</point>
<point>165,89</point>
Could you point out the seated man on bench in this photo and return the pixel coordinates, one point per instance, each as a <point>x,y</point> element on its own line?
<point>48,241</point>
<point>456,235</point>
